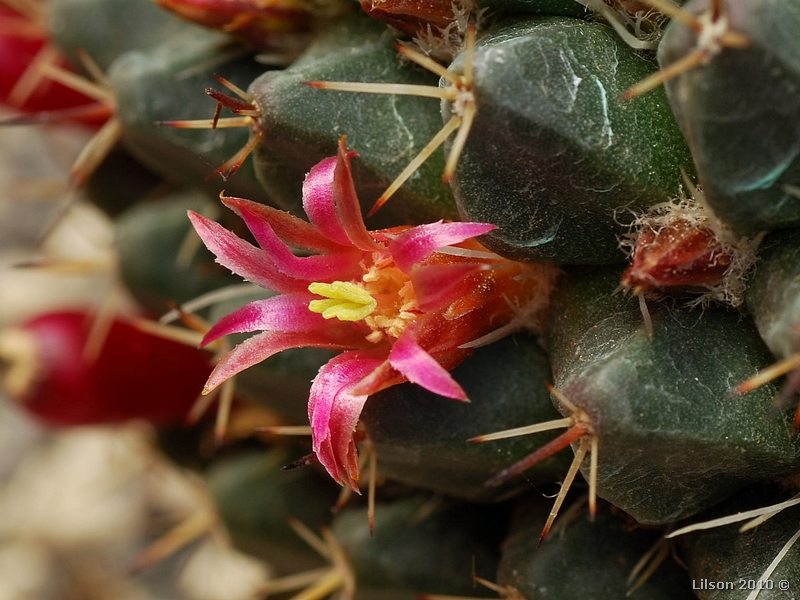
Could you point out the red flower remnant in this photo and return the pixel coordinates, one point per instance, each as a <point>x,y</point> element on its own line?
<point>403,304</point>
<point>679,254</point>
<point>136,375</point>
<point>681,246</point>
<point>26,53</point>
<point>262,24</point>
<point>411,16</point>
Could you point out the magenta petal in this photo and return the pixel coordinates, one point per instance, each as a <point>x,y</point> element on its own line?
<point>437,286</point>
<point>320,267</point>
<point>347,206</point>
<point>318,201</point>
<point>292,230</point>
<point>418,243</point>
<point>263,345</point>
<point>382,377</point>
<point>333,411</point>
<point>242,258</point>
<point>287,312</point>
<point>421,368</point>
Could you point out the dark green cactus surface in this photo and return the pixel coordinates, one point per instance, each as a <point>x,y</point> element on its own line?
<point>773,292</point>
<point>149,231</point>
<point>105,30</point>
<point>740,113</point>
<point>422,441</point>
<point>554,158</point>
<point>726,564</point>
<point>420,545</point>
<point>166,83</point>
<point>254,497</point>
<point>302,125</point>
<point>585,560</point>
<point>657,405</point>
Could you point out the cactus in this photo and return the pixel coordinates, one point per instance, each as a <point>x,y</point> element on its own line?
<point>436,215</point>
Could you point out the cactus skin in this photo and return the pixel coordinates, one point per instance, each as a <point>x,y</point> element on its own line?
<point>413,551</point>
<point>145,234</point>
<point>773,292</point>
<point>728,556</point>
<point>163,83</point>
<point>658,404</point>
<point>302,125</point>
<point>120,182</point>
<point>553,158</point>
<point>254,497</point>
<point>421,440</point>
<point>740,113</point>
<point>587,560</point>
<point>106,29</point>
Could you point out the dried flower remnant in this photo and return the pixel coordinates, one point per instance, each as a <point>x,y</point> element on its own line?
<point>635,21</point>
<point>681,246</point>
<point>438,29</point>
<point>402,303</point>
<point>274,26</point>
<point>411,16</point>
<point>677,254</point>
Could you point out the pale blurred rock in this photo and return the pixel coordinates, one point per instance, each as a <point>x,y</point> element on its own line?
<point>216,571</point>
<point>84,487</point>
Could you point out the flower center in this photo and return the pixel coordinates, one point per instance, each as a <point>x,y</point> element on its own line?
<point>344,301</point>
<point>384,299</point>
<point>397,302</point>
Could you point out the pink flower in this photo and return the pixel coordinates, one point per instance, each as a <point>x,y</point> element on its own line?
<point>400,303</point>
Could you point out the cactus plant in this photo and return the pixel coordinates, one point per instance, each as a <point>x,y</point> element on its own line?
<point>532,156</point>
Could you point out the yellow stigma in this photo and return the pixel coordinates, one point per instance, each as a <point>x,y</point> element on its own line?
<point>345,301</point>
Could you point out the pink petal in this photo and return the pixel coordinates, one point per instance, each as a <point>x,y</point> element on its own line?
<point>263,345</point>
<point>292,230</point>
<point>418,243</point>
<point>421,368</point>
<point>318,201</point>
<point>242,258</point>
<point>321,267</point>
<point>287,312</point>
<point>333,411</point>
<point>437,286</point>
<point>347,205</point>
<point>382,377</point>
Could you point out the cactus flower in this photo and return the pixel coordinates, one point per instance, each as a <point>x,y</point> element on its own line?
<point>403,304</point>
